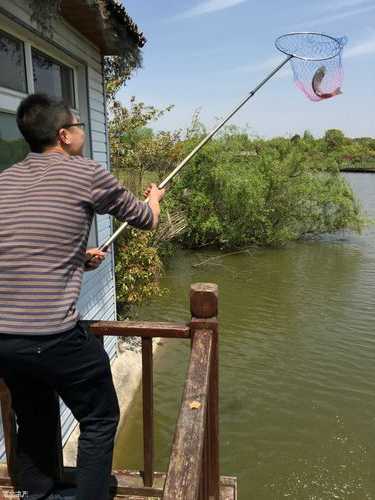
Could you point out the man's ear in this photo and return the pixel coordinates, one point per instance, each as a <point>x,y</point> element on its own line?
<point>64,136</point>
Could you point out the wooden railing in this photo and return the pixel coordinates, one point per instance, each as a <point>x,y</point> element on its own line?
<point>193,472</point>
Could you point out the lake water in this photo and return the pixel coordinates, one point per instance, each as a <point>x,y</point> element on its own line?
<point>297,365</point>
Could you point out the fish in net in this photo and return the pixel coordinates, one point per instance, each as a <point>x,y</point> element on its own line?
<point>316,63</point>
<point>319,80</point>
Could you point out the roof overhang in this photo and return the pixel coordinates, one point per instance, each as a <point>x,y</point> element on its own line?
<point>105,23</point>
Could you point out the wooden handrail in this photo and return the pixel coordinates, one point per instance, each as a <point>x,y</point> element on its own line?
<point>138,329</point>
<point>184,472</point>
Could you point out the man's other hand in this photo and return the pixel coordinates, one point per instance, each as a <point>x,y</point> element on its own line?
<point>94,257</point>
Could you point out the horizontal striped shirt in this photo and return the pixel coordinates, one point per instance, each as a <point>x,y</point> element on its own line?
<point>47,203</point>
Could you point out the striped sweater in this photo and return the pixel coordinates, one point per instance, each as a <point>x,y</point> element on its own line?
<point>47,203</point>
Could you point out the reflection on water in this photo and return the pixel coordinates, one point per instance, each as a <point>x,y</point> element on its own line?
<point>296,365</point>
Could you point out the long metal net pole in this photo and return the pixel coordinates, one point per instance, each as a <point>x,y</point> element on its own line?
<point>105,245</point>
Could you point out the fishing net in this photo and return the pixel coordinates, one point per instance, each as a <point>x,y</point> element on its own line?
<point>316,62</point>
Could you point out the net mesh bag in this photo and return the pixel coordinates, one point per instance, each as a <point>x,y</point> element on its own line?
<point>316,63</point>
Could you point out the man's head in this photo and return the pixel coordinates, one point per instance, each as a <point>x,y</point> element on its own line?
<point>48,123</point>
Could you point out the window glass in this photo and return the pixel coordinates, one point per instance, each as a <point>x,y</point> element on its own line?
<point>13,147</point>
<point>12,64</point>
<point>53,78</point>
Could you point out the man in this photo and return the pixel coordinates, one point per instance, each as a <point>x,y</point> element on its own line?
<point>47,203</point>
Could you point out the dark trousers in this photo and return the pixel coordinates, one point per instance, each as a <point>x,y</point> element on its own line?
<point>75,365</point>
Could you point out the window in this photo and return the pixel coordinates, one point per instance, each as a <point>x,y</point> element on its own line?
<point>53,78</point>
<point>12,63</point>
<point>13,148</point>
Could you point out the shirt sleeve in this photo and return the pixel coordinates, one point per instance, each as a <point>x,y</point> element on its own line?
<point>110,197</point>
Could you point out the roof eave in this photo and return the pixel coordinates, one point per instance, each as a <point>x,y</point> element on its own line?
<point>105,23</point>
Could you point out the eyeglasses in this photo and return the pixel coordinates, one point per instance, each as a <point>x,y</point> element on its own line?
<point>81,124</point>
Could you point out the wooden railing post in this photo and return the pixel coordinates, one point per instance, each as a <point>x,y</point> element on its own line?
<point>183,481</point>
<point>148,412</point>
<point>204,310</point>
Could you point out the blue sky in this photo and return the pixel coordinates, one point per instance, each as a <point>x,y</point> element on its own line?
<point>208,55</point>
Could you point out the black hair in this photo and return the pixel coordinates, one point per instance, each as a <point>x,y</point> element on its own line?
<point>39,118</point>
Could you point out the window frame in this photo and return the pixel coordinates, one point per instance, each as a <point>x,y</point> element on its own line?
<point>57,62</point>
<point>16,39</point>
<point>43,49</point>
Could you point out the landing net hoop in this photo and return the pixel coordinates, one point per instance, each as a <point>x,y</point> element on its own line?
<point>310,46</point>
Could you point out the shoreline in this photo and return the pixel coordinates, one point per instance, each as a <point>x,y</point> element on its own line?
<point>368,170</point>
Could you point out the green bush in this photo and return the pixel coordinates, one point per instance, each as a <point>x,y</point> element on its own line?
<point>138,268</point>
<point>240,192</point>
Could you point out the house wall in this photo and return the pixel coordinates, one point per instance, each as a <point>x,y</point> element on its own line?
<point>97,299</point>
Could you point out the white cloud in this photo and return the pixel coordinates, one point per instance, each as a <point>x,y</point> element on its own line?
<point>208,7</point>
<point>336,17</point>
<point>343,4</point>
<point>363,48</point>
<point>266,67</point>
